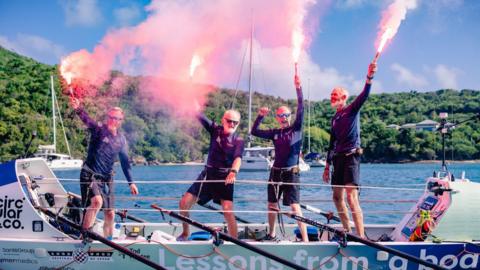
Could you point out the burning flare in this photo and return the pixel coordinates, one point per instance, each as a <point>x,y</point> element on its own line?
<point>65,71</point>
<point>196,61</point>
<point>386,36</point>
<point>297,41</point>
<point>392,17</point>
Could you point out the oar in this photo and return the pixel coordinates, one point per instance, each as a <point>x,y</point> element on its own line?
<point>362,240</point>
<point>102,239</point>
<point>211,207</point>
<point>227,237</point>
<point>328,215</point>
<point>121,213</point>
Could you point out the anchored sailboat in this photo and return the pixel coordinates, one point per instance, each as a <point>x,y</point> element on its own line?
<point>313,159</point>
<point>257,158</point>
<point>57,161</point>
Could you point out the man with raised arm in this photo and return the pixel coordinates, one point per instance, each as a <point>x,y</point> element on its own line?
<point>288,143</point>
<point>96,176</point>
<point>223,163</point>
<point>344,152</point>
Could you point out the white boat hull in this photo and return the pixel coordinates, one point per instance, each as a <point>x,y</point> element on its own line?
<point>65,164</point>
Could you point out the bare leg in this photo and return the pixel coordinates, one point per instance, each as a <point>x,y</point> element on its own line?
<point>108,222</point>
<point>272,217</point>
<point>230,218</point>
<point>357,215</point>
<point>92,211</point>
<point>339,201</point>
<point>303,228</point>
<point>186,204</point>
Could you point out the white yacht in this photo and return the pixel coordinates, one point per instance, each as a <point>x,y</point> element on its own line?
<point>257,158</point>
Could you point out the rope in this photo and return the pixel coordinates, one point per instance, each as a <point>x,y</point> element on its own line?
<point>174,252</point>
<point>328,260</point>
<point>228,259</point>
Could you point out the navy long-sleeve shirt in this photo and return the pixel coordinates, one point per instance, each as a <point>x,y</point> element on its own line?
<point>224,149</point>
<point>104,147</point>
<point>345,126</point>
<point>287,141</point>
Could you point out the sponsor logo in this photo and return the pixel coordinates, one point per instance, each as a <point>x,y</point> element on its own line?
<point>17,251</point>
<point>16,261</point>
<point>81,256</point>
<point>10,213</point>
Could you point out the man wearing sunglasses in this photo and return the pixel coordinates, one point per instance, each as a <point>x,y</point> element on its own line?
<point>96,176</point>
<point>344,153</point>
<point>223,163</point>
<point>288,143</point>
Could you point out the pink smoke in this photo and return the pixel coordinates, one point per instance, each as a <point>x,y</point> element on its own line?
<point>161,47</point>
<point>392,17</point>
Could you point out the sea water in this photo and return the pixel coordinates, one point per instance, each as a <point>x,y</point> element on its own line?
<point>388,193</point>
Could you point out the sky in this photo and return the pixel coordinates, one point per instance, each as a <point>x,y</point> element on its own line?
<point>436,46</point>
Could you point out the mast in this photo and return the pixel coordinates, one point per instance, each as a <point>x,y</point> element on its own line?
<point>249,141</point>
<point>309,116</point>
<point>53,115</point>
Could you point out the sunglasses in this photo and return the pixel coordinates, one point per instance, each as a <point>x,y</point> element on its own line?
<point>115,118</point>
<point>232,121</point>
<point>280,115</point>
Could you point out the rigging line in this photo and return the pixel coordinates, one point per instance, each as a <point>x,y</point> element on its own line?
<point>232,105</point>
<point>149,198</point>
<point>263,182</point>
<point>61,121</point>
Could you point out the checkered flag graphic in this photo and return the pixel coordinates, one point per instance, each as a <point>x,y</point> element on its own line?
<point>80,256</point>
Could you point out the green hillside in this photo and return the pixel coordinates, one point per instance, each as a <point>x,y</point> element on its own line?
<point>26,106</point>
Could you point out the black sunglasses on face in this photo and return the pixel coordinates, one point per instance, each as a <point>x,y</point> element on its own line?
<point>232,121</point>
<point>280,115</point>
<point>115,118</point>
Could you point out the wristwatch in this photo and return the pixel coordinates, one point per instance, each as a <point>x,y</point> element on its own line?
<point>234,171</point>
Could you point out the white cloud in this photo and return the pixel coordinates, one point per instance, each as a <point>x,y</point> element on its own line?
<point>273,74</point>
<point>82,12</point>
<point>447,77</point>
<point>407,77</point>
<point>350,3</point>
<point>125,16</point>
<point>36,47</point>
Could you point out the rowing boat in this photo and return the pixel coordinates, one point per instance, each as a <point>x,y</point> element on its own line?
<point>38,231</point>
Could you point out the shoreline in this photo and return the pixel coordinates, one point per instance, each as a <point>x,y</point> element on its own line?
<point>194,163</point>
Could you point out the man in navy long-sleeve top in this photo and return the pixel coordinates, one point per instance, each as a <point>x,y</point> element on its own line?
<point>288,143</point>
<point>224,161</point>
<point>344,152</point>
<point>96,176</point>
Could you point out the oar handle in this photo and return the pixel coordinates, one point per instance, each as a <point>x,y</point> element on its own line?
<point>227,237</point>
<point>327,215</point>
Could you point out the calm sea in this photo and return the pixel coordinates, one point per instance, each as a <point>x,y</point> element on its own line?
<point>379,203</point>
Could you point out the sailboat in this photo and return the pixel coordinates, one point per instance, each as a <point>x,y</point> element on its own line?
<point>313,159</point>
<point>57,161</point>
<point>259,158</point>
